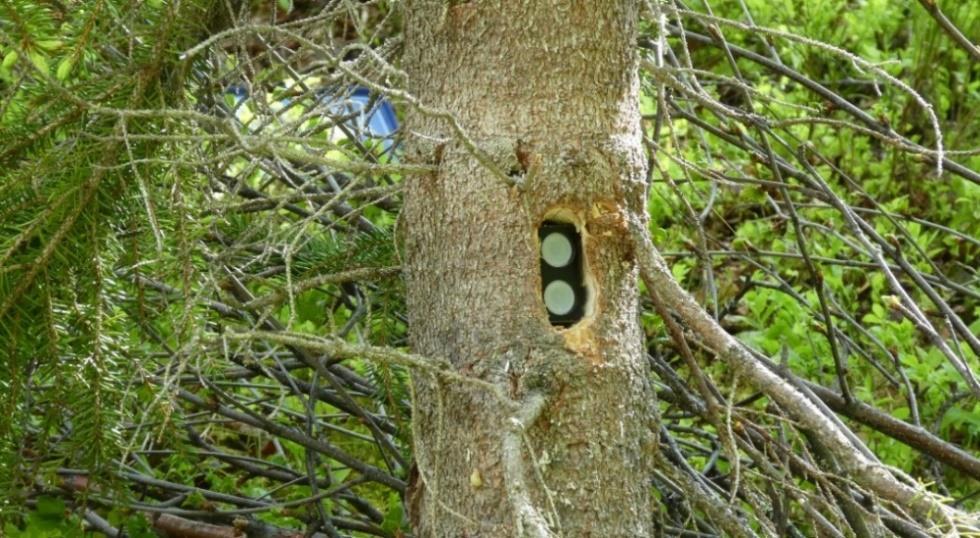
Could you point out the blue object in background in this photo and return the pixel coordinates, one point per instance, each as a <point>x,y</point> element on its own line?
<point>238,92</point>
<point>380,120</point>
<point>377,122</point>
<point>369,120</point>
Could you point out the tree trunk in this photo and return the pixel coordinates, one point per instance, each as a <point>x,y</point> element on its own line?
<point>547,92</point>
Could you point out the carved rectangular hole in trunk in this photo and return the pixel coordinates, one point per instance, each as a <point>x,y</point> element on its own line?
<point>562,276</point>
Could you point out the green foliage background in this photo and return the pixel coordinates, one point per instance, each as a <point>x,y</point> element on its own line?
<point>934,221</point>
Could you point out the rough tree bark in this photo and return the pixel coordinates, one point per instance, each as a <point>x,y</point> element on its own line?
<point>547,94</point>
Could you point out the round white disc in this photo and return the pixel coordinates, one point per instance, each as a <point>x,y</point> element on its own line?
<point>556,250</point>
<point>559,297</point>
